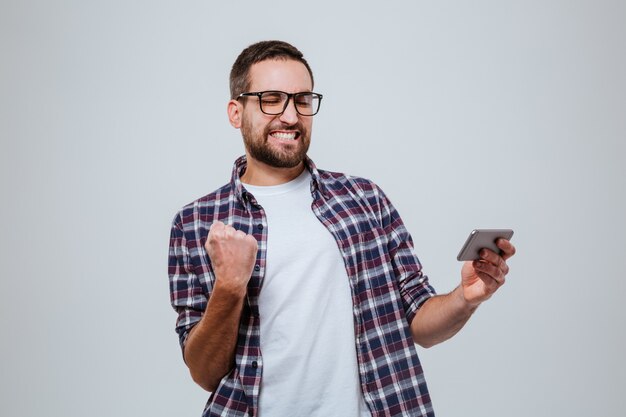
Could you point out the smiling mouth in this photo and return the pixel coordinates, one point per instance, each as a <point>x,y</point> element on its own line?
<point>285,135</point>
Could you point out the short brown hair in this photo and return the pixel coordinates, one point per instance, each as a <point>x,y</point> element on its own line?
<point>261,51</point>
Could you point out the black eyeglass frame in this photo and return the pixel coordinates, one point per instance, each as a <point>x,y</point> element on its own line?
<point>289,97</point>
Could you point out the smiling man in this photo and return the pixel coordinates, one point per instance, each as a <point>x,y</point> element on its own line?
<point>297,290</point>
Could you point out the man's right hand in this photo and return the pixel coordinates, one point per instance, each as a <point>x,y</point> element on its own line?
<point>211,344</point>
<point>233,254</point>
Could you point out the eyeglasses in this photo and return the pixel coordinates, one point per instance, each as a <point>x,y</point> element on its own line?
<point>276,102</point>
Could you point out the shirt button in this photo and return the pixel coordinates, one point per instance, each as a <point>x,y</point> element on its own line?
<point>257,268</point>
<point>255,364</point>
<point>259,226</point>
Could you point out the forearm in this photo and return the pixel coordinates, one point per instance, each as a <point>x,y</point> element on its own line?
<point>210,347</point>
<point>440,318</point>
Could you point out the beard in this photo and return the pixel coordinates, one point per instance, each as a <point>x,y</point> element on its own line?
<point>288,155</point>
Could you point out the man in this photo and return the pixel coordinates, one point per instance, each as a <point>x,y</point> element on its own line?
<point>297,289</point>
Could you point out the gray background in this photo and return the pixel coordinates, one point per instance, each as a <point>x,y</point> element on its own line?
<point>468,114</point>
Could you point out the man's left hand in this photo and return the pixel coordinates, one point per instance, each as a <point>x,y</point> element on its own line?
<point>482,277</point>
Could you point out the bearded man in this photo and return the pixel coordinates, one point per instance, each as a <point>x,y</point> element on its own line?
<point>298,291</point>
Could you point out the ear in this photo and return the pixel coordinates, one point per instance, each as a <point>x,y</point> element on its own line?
<point>235,110</point>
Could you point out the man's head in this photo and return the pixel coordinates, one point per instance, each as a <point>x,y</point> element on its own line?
<point>278,140</point>
<point>261,51</point>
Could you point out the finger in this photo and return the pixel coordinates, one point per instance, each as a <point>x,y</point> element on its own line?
<point>229,231</point>
<point>491,284</point>
<point>216,231</point>
<point>251,239</point>
<point>252,244</point>
<point>490,281</point>
<point>497,260</point>
<point>490,270</point>
<point>507,248</point>
<point>216,226</point>
<point>505,268</point>
<point>490,256</point>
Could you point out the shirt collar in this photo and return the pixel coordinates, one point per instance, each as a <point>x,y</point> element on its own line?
<point>245,197</point>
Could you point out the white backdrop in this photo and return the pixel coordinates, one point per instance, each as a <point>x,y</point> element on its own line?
<point>468,114</point>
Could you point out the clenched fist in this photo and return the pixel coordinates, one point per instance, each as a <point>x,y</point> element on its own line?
<point>232,253</point>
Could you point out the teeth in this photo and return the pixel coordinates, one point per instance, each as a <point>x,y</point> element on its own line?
<point>284,136</point>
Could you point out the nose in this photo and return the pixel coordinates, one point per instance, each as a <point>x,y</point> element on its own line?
<point>290,115</point>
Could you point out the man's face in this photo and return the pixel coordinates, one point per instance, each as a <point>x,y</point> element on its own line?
<point>280,141</point>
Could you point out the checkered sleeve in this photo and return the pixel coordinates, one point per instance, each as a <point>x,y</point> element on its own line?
<point>186,294</point>
<point>414,286</point>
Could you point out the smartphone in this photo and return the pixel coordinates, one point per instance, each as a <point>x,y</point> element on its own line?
<point>482,238</point>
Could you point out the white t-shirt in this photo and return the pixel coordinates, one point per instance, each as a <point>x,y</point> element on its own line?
<point>305,305</point>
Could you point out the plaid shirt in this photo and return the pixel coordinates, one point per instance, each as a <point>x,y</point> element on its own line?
<point>386,283</point>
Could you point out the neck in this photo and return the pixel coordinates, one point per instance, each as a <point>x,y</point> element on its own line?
<point>259,173</point>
